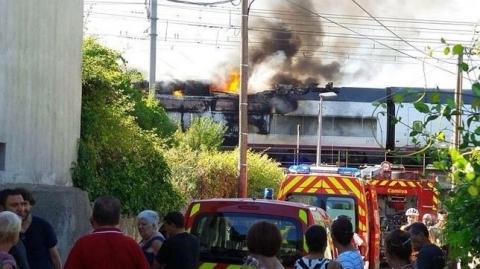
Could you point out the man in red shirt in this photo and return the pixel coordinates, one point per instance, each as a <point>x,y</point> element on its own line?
<point>106,247</point>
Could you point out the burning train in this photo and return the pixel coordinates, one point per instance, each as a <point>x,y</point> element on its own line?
<point>283,121</point>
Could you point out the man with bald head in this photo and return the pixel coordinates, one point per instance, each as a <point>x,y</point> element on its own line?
<point>106,247</point>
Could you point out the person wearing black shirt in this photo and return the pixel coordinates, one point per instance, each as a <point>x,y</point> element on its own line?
<point>181,249</point>
<point>38,237</point>
<point>429,255</point>
<point>12,200</point>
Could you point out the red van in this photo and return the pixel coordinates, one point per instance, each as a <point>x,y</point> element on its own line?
<point>222,226</point>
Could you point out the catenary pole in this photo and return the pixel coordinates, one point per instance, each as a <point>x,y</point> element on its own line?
<point>458,104</point>
<point>153,47</point>
<point>243,104</point>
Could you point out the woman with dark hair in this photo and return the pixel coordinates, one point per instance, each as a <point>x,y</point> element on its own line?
<point>263,242</point>
<point>399,250</point>
<point>316,238</point>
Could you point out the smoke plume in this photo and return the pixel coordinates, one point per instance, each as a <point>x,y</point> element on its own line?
<point>284,51</point>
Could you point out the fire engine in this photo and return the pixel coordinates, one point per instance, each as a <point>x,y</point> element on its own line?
<point>375,199</point>
<point>339,192</point>
<point>222,225</point>
<point>397,190</point>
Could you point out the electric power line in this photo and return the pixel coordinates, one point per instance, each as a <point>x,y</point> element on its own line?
<point>372,39</point>
<point>393,33</point>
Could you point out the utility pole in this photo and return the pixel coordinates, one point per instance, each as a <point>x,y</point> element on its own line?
<point>457,120</point>
<point>153,47</point>
<point>243,105</point>
<point>319,132</point>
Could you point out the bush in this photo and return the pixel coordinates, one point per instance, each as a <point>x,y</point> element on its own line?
<point>203,134</point>
<point>116,156</point>
<point>213,174</point>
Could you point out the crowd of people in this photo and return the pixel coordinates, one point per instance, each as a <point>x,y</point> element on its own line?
<point>28,241</point>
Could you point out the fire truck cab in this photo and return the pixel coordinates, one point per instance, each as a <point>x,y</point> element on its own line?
<point>222,225</point>
<point>339,192</point>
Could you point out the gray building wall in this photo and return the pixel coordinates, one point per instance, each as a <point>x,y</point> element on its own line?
<point>40,89</point>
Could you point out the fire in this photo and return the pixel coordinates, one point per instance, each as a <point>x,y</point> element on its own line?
<point>177,93</point>
<point>230,84</point>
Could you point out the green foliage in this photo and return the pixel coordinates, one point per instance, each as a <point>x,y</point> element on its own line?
<point>203,133</point>
<point>462,164</point>
<point>116,156</point>
<point>200,170</point>
<point>476,88</point>
<point>457,49</point>
<point>208,174</point>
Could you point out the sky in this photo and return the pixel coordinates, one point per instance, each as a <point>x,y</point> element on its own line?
<point>331,40</point>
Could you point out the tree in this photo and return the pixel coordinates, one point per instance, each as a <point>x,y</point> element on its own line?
<point>203,133</point>
<point>120,147</point>
<point>200,170</point>
<point>462,164</point>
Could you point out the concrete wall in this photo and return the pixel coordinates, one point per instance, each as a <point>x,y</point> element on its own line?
<point>66,209</point>
<point>40,89</point>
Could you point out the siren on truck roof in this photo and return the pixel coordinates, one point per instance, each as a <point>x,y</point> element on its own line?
<point>324,169</point>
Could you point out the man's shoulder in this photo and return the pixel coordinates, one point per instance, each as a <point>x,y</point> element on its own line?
<point>350,259</point>
<point>38,221</point>
<point>183,236</point>
<point>93,238</point>
<point>430,251</point>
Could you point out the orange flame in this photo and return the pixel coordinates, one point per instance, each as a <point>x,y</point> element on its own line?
<point>230,84</point>
<point>177,93</point>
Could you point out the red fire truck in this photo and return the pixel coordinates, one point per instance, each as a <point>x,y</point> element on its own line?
<point>398,190</point>
<point>375,202</point>
<point>339,194</point>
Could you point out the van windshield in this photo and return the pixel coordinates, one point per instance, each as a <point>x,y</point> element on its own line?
<point>223,237</point>
<point>334,205</point>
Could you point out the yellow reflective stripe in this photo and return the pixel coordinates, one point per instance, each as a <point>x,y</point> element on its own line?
<point>308,181</point>
<point>362,227</point>
<point>336,183</point>
<point>312,190</point>
<point>383,183</point>
<point>305,247</point>
<point>327,187</point>
<point>234,266</point>
<point>195,209</point>
<point>430,184</point>
<point>298,190</point>
<point>361,212</point>
<point>344,192</point>
<point>411,184</point>
<point>292,183</point>
<point>435,200</point>
<point>374,182</point>
<point>207,265</point>
<point>302,215</point>
<point>330,191</point>
<point>353,188</point>
<point>402,184</point>
<point>393,183</point>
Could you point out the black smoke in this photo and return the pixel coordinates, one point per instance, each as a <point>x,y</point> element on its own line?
<point>295,37</point>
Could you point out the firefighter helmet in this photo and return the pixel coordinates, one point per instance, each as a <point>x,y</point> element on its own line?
<point>412,212</point>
